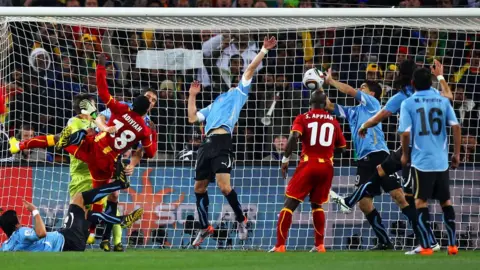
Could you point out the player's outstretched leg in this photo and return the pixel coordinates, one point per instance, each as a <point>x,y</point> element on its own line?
<point>340,201</point>
<point>363,190</point>
<point>67,137</point>
<point>449,221</point>
<point>375,220</point>
<point>96,194</point>
<point>201,195</point>
<point>283,224</point>
<point>319,227</point>
<point>42,141</point>
<point>223,182</point>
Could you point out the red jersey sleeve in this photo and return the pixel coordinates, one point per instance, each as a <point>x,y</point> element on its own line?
<point>149,144</point>
<point>340,141</point>
<point>298,124</point>
<point>114,106</point>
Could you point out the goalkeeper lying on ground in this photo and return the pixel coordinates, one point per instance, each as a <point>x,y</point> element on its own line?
<point>73,235</point>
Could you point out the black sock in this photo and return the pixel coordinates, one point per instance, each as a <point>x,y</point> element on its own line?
<point>449,220</point>
<point>97,218</point>
<point>411,213</point>
<point>77,137</point>
<point>424,228</point>
<point>111,209</point>
<point>202,209</point>
<point>376,222</point>
<point>236,207</point>
<point>94,195</point>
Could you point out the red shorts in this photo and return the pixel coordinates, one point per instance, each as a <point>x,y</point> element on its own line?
<point>100,165</point>
<point>311,178</point>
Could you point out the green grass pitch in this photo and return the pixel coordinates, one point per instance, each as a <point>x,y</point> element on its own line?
<point>210,260</point>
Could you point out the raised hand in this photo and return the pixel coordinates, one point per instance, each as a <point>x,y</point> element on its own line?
<point>269,43</point>
<point>437,68</point>
<point>29,206</point>
<point>328,77</point>
<point>194,88</point>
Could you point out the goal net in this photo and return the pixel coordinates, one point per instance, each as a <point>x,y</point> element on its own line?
<point>47,56</point>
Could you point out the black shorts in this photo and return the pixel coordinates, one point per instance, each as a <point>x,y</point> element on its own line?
<point>214,156</point>
<point>431,185</point>
<point>366,168</point>
<point>393,164</point>
<point>75,229</point>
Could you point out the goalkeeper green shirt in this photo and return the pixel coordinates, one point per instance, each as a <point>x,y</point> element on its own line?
<point>79,168</point>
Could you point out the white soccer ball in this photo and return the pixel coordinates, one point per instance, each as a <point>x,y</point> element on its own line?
<point>313,79</point>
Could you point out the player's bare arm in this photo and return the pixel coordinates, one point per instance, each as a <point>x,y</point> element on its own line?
<point>292,142</point>
<point>40,229</point>
<point>134,161</point>
<point>457,144</point>
<point>437,70</point>
<point>405,142</point>
<point>342,87</point>
<point>373,121</point>
<point>102,125</point>
<point>268,44</point>
<point>192,100</point>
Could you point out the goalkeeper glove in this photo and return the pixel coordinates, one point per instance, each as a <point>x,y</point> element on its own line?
<point>88,108</point>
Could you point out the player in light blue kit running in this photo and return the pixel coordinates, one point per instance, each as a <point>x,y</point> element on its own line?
<point>73,235</point>
<point>215,157</point>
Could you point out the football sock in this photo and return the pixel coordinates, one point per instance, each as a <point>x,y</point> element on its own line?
<point>232,199</point>
<point>96,194</point>
<point>117,234</point>
<point>202,209</point>
<point>319,225</point>
<point>283,225</point>
<point>111,209</point>
<point>449,220</point>
<point>42,141</point>
<point>411,213</point>
<point>375,221</point>
<point>96,218</point>
<point>424,228</point>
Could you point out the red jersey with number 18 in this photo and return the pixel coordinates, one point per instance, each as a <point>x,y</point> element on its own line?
<point>320,134</point>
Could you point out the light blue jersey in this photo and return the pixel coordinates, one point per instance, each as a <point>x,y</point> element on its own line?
<point>394,103</point>
<point>225,109</point>
<point>107,113</point>
<point>374,140</point>
<point>425,115</point>
<point>25,239</point>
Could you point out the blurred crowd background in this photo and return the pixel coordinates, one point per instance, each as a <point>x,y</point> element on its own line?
<point>48,64</point>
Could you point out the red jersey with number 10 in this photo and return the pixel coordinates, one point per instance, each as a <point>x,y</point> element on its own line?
<point>320,134</point>
<point>131,127</point>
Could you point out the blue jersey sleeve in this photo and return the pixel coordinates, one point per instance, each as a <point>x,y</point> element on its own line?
<point>244,85</point>
<point>341,111</point>
<point>370,102</point>
<point>29,234</point>
<point>394,103</point>
<point>107,113</point>
<point>451,117</point>
<point>406,122</point>
<point>204,113</point>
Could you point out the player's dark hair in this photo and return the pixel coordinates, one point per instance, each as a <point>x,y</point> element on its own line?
<point>422,79</point>
<point>318,100</point>
<point>405,74</point>
<point>141,104</point>
<point>144,92</point>
<point>77,99</point>
<point>376,88</point>
<point>8,222</point>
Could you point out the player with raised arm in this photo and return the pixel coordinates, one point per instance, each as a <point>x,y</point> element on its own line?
<point>73,235</point>
<point>112,200</point>
<point>423,127</point>
<point>102,151</point>
<point>371,150</point>
<point>215,157</point>
<point>392,163</point>
<point>320,134</point>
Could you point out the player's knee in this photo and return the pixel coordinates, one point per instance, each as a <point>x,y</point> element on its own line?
<point>446,203</point>
<point>225,188</point>
<point>399,197</point>
<point>113,197</point>
<point>366,205</point>
<point>200,186</point>
<point>315,206</point>
<point>419,203</point>
<point>291,204</point>
<point>380,171</point>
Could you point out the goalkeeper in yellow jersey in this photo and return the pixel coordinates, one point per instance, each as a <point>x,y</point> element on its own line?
<point>81,179</point>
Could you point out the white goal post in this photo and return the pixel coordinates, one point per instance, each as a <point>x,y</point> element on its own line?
<point>48,55</point>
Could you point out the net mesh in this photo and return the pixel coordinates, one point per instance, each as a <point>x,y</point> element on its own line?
<point>46,61</point>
